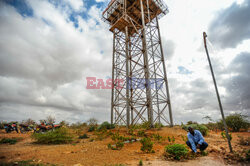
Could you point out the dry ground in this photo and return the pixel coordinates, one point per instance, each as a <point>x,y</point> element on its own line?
<point>97,153</point>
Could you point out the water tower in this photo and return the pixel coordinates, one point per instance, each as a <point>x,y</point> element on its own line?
<point>140,90</point>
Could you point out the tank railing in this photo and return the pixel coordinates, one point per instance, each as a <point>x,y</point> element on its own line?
<point>160,4</point>
<point>115,4</point>
<point>111,9</point>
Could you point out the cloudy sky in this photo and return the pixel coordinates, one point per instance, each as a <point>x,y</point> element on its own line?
<point>49,47</point>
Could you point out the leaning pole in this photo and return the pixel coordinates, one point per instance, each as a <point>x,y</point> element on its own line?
<point>217,93</point>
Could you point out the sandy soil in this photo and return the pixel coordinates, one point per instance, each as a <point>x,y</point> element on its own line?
<point>96,153</point>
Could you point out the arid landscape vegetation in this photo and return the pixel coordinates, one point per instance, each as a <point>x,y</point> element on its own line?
<point>124,83</point>
<point>105,144</point>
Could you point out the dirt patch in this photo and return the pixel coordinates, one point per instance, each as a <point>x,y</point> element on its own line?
<point>204,161</point>
<point>97,153</point>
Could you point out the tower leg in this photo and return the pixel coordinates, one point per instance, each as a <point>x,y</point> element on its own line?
<point>165,76</point>
<point>112,93</point>
<point>146,68</point>
<point>127,78</point>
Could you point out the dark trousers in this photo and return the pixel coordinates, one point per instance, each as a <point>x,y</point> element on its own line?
<point>203,146</point>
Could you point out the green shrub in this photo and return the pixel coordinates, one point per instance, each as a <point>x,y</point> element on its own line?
<point>214,126</point>
<point>147,145</point>
<point>8,141</point>
<point>158,125</point>
<point>140,163</point>
<point>102,134</point>
<point>204,153</point>
<point>58,136</point>
<point>184,138</point>
<point>106,125</point>
<point>115,136</point>
<point>176,151</point>
<point>248,155</point>
<point>203,129</point>
<point>91,128</point>
<point>236,122</point>
<point>131,131</point>
<point>171,140</point>
<point>220,125</point>
<point>224,136</point>
<point>118,146</point>
<point>157,137</point>
<point>110,146</point>
<point>24,163</point>
<point>131,139</point>
<point>141,133</point>
<point>145,125</point>
<point>118,137</point>
<point>84,136</point>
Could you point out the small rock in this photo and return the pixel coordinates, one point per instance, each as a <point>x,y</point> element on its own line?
<point>67,152</point>
<point>84,150</point>
<point>78,164</point>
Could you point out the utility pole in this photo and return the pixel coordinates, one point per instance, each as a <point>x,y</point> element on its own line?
<point>217,93</point>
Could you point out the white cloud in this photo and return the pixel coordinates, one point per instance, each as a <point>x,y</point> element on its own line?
<point>101,0</point>
<point>48,67</point>
<point>76,4</point>
<point>45,59</point>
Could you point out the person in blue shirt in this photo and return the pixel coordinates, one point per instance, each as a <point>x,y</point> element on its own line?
<point>196,140</point>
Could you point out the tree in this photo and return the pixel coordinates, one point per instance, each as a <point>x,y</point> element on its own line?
<point>236,122</point>
<point>92,122</point>
<point>30,122</point>
<point>50,119</point>
<point>64,123</point>
<point>208,118</point>
<point>191,122</point>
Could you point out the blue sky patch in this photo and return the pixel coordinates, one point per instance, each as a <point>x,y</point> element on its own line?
<point>21,6</point>
<point>183,70</point>
<point>89,3</point>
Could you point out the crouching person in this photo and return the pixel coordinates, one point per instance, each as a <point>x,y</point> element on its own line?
<point>196,140</point>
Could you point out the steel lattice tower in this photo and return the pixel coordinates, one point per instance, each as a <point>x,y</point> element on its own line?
<point>140,90</point>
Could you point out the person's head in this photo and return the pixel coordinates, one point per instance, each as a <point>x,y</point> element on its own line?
<point>191,130</point>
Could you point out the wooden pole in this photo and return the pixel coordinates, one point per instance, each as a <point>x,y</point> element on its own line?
<point>217,93</point>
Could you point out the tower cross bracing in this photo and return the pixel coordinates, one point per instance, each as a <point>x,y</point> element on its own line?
<point>140,90</point>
